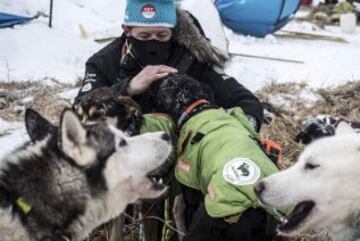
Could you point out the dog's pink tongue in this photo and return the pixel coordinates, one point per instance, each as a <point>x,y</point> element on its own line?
<point>299,214</point>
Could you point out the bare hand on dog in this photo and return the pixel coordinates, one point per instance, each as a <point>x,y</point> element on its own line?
<point>141,82</point>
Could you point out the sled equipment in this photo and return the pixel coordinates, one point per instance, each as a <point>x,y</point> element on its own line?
<point>9,20</point>
<point>256,17</point>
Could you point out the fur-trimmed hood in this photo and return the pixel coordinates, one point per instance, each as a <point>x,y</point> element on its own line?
<point>187,34</point>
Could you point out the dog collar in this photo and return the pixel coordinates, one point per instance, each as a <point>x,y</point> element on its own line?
<point>194,108</point>
<point>24,206</point>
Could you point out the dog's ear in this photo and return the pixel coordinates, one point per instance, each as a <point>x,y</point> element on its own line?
<point>131,107</point>
<point>37,126</point>
<point>73,139</point>
<point>343,129</point>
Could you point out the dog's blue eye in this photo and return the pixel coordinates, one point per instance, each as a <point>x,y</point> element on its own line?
<point>310,166</point>
<point>123,142</point>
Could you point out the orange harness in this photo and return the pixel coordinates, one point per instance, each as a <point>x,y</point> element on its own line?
<point>185,115</point>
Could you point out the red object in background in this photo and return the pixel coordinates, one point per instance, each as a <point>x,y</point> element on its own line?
<point>306,2</point>
<point>273,150</point>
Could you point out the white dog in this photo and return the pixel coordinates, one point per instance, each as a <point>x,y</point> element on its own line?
<point>323,186</point>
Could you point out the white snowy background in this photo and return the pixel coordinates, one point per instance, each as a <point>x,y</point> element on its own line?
<point>35,52</point>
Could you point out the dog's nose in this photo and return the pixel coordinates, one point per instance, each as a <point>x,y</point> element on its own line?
<point>165,137</point>
<point>259,188</point>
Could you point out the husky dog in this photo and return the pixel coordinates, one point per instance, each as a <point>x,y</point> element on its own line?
<point>103,104</point>
<point>74,177</point>
<point>323,186</point>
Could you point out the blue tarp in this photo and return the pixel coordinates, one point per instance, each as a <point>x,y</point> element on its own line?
<point>8,20</point>
<point>256,17</point>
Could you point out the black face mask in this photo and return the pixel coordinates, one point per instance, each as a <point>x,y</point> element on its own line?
<point>150,52</point>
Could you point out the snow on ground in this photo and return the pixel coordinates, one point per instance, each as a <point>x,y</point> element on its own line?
<point>35,52</point>
<point>69,95</point>
<point>286,100</point>
<point>325,63</point>
<point>12,134</point>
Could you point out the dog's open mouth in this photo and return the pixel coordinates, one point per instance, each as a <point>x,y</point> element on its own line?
<point>297,216</point>
<point>157,184</point>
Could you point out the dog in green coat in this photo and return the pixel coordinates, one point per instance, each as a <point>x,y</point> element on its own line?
<point>218,150</point>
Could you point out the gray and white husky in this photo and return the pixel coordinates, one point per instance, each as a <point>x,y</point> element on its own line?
<point>72,178</point>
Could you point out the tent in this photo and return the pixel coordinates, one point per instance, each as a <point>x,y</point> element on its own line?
<point>210,21</point>
<point>256,17</point>
<point>8,20</point>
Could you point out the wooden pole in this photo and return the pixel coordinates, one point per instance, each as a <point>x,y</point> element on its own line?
<point>267,58</point>
<point>51,13</point>
<point>309,36</point>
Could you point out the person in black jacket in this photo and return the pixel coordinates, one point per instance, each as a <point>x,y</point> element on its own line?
<point>150,50</point>
<point>188,51</point>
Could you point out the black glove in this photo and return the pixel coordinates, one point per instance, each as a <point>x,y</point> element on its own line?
<point>315,128</point>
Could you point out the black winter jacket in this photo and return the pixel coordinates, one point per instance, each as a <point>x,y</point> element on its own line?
<point>109,67</point>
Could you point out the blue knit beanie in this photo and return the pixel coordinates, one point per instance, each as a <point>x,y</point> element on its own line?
<point>150,13</point>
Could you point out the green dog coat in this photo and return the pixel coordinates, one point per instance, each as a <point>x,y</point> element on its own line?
<point>161,122</point>
<point>219,154</point>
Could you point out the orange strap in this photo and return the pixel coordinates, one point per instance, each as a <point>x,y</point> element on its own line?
<point>190,109</point>
<point>270,147</point>
<point>195,104</point>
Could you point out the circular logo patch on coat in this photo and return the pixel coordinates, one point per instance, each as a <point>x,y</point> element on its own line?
<point>148,11</point>
<point>87,87</point>
<point>241,171</point>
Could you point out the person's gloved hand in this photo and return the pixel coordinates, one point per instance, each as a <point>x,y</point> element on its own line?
<point>315,128</point>
<point>95,104</point>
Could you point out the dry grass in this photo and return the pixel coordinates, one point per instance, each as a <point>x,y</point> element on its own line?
<point>42,98</point>
<point>101,234</point>
<point>291,104</point>
<point>295,107</point>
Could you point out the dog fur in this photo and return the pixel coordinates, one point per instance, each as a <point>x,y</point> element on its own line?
<point>75,177</point>
<point>176,93</point>
<point>104,104</point>
<point>125,114</point>
<point>323,185</point>
<point>187,34</point>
